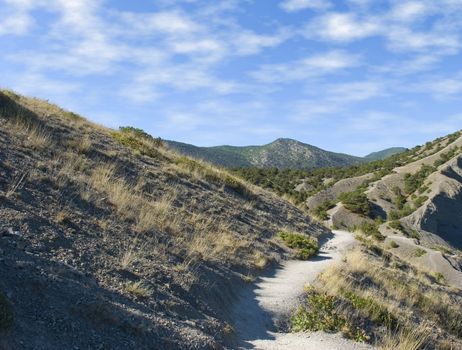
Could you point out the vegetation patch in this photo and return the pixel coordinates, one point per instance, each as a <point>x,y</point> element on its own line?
<point>356,202</point>
<point>138,289</point>
<point>304,246</point>
<point>321,313</point>
<point>321,211</point>
<point>370,229</point>
<point>376,312</point>
<point>412,182</point>
<point>419,252</point>
<point>139,141</point>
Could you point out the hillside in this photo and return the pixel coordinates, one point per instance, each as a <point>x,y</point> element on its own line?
<point>406,211</point>
<point>381,155</point>
<point>282,154</point>
<point>110,241</point>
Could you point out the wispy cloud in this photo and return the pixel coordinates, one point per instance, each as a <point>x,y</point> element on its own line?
<point>298,5</point>
<point>342,27</point>
<point>312,66</point>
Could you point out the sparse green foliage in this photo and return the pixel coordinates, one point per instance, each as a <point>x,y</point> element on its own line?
<point>321,211</point>
<point>413,182</point>
<point>419,252</point>
<point>139,141</point>
<point>396,225</point>
<point>356,201</point>
<point>304,246</point>
<point>375,311</point>
<point>370,229</point>
<point>439,277</point>
<point>446,156</point>
<point>419,201</point>
<point>320,313</point>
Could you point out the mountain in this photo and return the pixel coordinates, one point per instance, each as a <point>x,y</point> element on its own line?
<point>381,155</point>
<point>282,153</point>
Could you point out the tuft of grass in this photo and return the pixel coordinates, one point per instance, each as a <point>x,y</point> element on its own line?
<point>303,246</point>
<point>260,261</point>
<point>62,217</point>
<point>419,252</point>
<point>138,289</point>
<point>439,277</point>
<point>393,244</point>
<point>409,338</point>
<point>6,314</point>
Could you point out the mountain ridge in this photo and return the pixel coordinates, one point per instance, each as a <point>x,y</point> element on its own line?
<point>281,153</point>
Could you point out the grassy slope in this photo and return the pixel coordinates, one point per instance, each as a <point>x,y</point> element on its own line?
<point>111,240</point>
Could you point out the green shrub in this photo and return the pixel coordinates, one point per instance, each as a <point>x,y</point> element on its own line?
<point>321,211</point>
<point>419,201</point>
<point>396,225</point>
<point>139,141</point>
<point>439,277</point>
<point>370,229</point>
<point>356,202</point>
<point>419,252</point>
<point>413,182</point>
<point>304,246</point>
<point>399,201</point>
<point>321,314</point>
<point>6,314</point>
<point>393,244</point>
<point>375,312</point>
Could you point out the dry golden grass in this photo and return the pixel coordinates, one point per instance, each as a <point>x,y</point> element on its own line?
<point>138,289</point>
<point>409,338</point>
<point>16,184</point>
<point>38,138</point>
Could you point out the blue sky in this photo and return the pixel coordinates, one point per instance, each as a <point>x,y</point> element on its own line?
<point>352,76</point>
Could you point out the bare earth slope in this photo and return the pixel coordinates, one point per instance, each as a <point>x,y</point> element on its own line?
<point>421,199</point>
<point>109,241</point>
<point>265,308</point>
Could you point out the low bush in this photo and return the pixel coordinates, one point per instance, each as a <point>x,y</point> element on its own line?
<point>419,252</point>
<point>370,229</point>
<point>321,313</point>
<point>139,141</point>
<point>321,211</point>
<point>356,202</point>
<point>304,246</point>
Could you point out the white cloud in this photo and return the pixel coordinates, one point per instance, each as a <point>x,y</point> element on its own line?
<point>297,5</point>
<point>312,66</point>
<point>355,91</point>
<point>404,39</point>
<point>409,11</point>
<point>247,42</point>
<point>169,22</point>
<point>343,27</point>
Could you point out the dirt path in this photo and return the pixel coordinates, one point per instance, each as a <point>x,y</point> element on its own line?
<point>268,304</point>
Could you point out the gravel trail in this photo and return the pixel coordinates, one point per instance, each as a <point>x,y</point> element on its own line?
<point>267,305</point>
